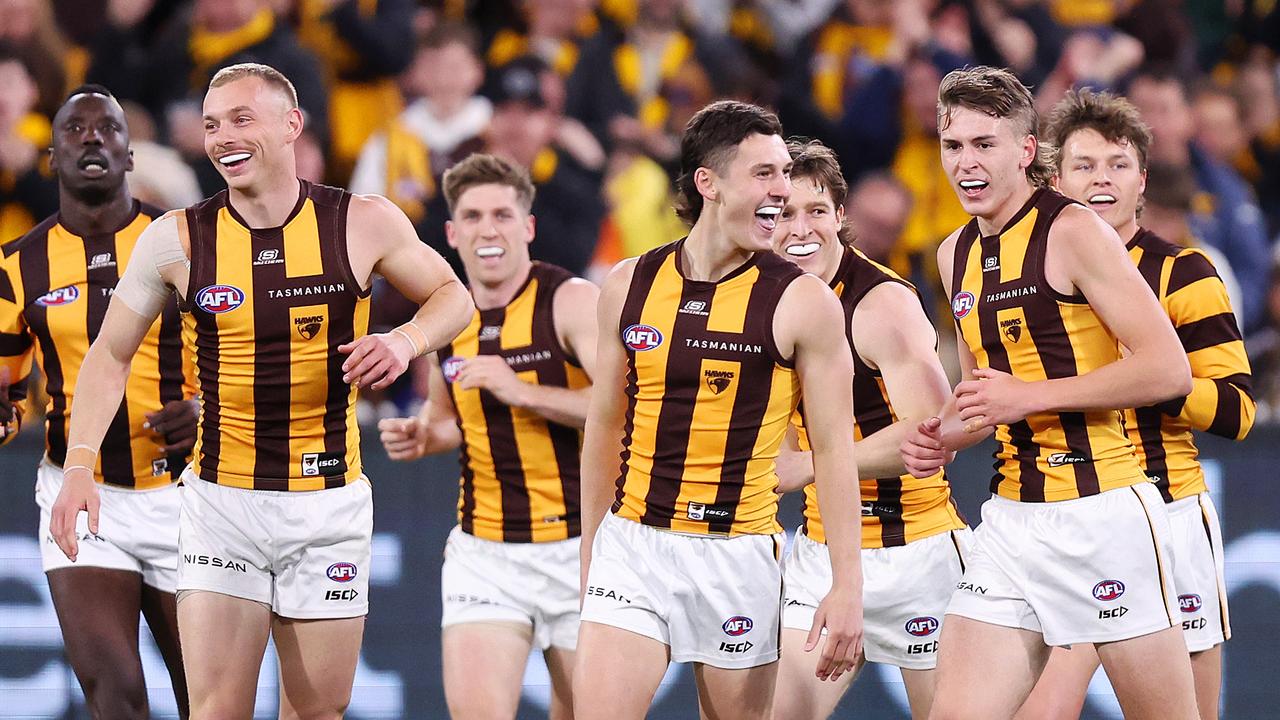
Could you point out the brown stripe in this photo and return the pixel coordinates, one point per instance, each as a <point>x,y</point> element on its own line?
<point>517,525</point>
<point>171,372</point>
<point>466,512</point>
<point>1188,269</point>
<point>959,555</point>
<point>1150,266</point>
<point>1242,381</point>
<point>14,344</point>
<point>33,265</point>
<point>202,224</point>
<point>331,224</point>
<point>565,441</point>
<point>1226,418</point>
<point>1208,332</point>
<point>271,368</point>
<point>887,508</point>
<point>116,453</point>
<point>1155,548</point>
<point>6,288</point>
<point>1150,433</point>
<point>1025,449</point>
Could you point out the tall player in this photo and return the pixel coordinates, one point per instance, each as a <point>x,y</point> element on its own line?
<point>912,534</point>
<point>704,346</point>
<point>1101,161</point>
<point>512,389</point>
<point>1075,545</point>
<point>273,277</point>
<point>55,284</point>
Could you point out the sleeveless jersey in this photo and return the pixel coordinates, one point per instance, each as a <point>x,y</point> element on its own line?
<point>54,294</point>
<point>268,309</point>
<point>708,396</point>
<point>519,471</point>
<point>1196,301</point>
<point>1013,321</point>
<point>895,510</point>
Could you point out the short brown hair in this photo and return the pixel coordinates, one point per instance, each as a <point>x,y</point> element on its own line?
<point>265,73</point>
<point>710,139</point>
<point>482,169</point>
<point>1111,116</point>
<point>813,161</point>
<point>1000,94</point>
<point>449,33</point>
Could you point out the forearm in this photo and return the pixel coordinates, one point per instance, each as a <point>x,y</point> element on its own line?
<point>1218,406</point>
<point>1138,380</point>
<point>559,405</point>
<point>795,469</point>
<point>95,410</point>
<point>600,454</point>
<point>840,503</point>
<point>954,437</point>
<point>445,314</point>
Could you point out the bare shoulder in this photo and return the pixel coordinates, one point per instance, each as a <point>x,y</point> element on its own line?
<point>1077,226</point>
<point>376,219</point>
<point>806,299</point>
<point>618,280</point>
<point>575,297</point>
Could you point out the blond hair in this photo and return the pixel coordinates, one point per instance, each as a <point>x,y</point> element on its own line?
<point>1000,94</point>
<point>265,73</point>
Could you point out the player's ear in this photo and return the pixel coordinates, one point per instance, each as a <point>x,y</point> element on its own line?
<point>1030,146</point>
<point>705,179</point>
<point>450,234</point>
<point>532,227</point>
<point>295,121</point>
<point>129,165</point>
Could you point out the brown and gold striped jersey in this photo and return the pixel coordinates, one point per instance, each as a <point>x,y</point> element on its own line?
<point>1014,322</point>
<point>54,291</point>
<point>1220,402</point>
<point>709,396</point>
<point>895,510</point>
<point>519,470</point>
<point>267,309</point>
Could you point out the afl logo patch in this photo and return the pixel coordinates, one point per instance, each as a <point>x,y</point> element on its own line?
<point>1190,603</point>
<point>61,296</point>
<point>1108,590</point>
<point>737,625</point>
<point>451,367</point>
<point>341,572</point>
<point>220,298</point>
<point>641,337</point>
<point>922,626</point>
<point>961,304</point>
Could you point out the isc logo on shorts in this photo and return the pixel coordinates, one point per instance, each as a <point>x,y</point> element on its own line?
<point>219,298</point>
<point>737,625</point>
<point>1190,603</point>
<point>1108,590</point>
<point>61,296</point>
<point>641,337</point>
<point>961,304</point>
<point>341,572</point>
<point>922,626</point>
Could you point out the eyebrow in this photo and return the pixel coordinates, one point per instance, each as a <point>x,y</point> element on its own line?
<point>232,111</point>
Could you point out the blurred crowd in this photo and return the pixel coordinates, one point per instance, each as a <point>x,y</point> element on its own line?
<point>591,95</point>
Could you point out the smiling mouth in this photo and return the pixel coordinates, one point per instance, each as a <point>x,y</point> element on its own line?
<point>234,160</point>
<point>1104,199</point>
<point>768,216</point>
<point>490,251</point>
<point>803,249</point>
<point>973,186</point>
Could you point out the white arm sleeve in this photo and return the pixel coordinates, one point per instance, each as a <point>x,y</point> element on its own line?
<point>142,289</point>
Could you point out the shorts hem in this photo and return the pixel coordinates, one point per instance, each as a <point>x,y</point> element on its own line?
<point>65,564</point>
<point>905,665</point>
<point>222,590</point>
<point>629,628</point>
<point>1118,636</point>
<point>170,587</point>
<point>990,619</point>
<point>727,664</point>
<point>1202,647</point>
<point>321,614</point>
<point>522,620</point>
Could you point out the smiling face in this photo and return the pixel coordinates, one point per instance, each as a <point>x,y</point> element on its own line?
<point>491,230</point>
<point>90,152</point>
<point>1104,175</point>
<point>808,231</point>
<point>748,197</point>
<point>249,130</point>
<point>986,159</point>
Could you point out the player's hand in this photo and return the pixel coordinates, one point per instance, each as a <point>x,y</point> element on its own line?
<point>404,438</point>
<point>79,492</point>
<point>176,423</point>
<point>492,373</point>
<point>375,361</point>
<point>994,398</point>
<point>840,614</point>
<point>922,450</point>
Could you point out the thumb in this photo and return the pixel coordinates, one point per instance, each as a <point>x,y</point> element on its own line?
<point>93,504</point>
<point>931,425</point>
<point>815,632</point>
<point>984,373</point>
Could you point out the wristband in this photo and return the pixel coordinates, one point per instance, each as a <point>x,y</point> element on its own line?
<point>418,347</point>
<point>82,456</point>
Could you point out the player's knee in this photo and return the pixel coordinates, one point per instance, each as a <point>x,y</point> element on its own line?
<point>114,692</point>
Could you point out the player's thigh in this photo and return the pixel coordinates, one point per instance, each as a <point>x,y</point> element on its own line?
<point>1130,665</point>
<point>616,672</point>
<point>1060,692</point>
<point>1206,666</point>
<point>799,693</point>
<point>737,693</point>
<point>317,665</point>
<point>560,666</point>
<point>223,640</point>
<point>484,666</point>
<point>920,686</point>
<point>160,609</point>
<point>967,652</point>
<point>97,610</point>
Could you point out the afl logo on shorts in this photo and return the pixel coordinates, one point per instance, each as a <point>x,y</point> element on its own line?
<point>1190,603</point>
<point>737,625</point>
<point>220,298</point>
<point>61,296</point>
<point>1108,590</point>
<point>922,626</point>
<point>341,572</point>
<point>640,337</point>
<point>961,304</point>
<point>451,367</point>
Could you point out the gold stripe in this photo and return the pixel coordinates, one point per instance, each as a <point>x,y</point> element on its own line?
<point>1155,544</point>
<point>302,244</point>
<point>709,433</point>
<point>235,356</point>
<point>306,417</point>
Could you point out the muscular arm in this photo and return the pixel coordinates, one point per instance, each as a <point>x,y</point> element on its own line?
<point>16,353</point>
<point>602,445</point>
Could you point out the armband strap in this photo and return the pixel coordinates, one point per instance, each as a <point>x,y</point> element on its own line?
<point>407,331</point>
<point>80,456</point>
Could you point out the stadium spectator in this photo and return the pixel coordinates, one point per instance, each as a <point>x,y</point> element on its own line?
<point>27,188</point>
<point>877,209</point>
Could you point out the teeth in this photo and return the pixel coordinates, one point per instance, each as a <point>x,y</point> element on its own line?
<point>95,166</point>
<point>1102,198</point>
<point>803,249</point>
<point>769,212</point>
<point>490,251</point>
<point>233,158</point>
<point>971,184</point>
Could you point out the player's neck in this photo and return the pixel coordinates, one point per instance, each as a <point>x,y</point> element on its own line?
<point>83,219</point>
<point>501,294</point>
<point>267,207</point>
<point>1127,230</point>
<point>709,254</point>
<point>992,224</point>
